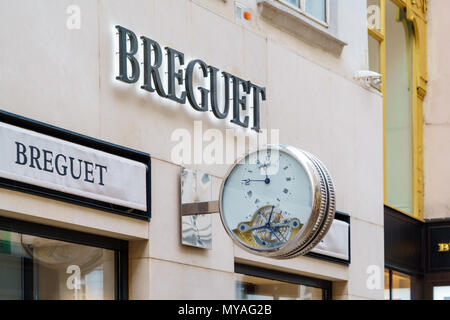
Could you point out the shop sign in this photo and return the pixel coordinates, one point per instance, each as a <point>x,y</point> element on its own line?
<point>336,243</point>
<point>443,247</point>
<point>438,253</point>
<point>44,161</point>
<point>235,92</point>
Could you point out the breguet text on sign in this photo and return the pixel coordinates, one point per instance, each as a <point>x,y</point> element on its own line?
<point>44,161</point>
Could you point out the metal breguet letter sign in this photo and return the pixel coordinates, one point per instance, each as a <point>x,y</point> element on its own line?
<point>277,202</point>
<point>152,70</point>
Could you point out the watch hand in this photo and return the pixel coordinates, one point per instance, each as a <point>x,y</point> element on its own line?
<point>247,228</point>
<point>270,216</point>
<point>251,180</point>
<point>247,181</point>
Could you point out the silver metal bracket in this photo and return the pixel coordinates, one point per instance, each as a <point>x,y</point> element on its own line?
<point>196,208</point>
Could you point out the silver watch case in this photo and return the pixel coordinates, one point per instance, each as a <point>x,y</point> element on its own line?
<point>322,213</point>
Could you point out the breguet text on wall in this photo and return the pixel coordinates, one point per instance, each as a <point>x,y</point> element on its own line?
<point>152,70</point>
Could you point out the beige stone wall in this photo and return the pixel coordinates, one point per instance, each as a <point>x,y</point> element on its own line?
<point>437,113</point>
<point>66,78</point>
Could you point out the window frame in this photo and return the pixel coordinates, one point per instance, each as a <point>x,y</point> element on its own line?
<point>432,284</point>
<point>379,35</point>
<point>301,8</point>
<point>417,174</point>
<point>276,275</point>
<point>412,278</point>
<point>120,247</point>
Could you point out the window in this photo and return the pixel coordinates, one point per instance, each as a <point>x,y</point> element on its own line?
<point>46,263</point>
<point>375,25</point>
<point>391,39</point>
<point>254,288</point>
<point>400,286</point>
<point>253,283</point>
<point>441,293</point>
<point>387,284</point>
<point>397,285</point>
<point>317,9</point>
<point>399,110</point>
<point>374,14</point>
<point>374,55</point>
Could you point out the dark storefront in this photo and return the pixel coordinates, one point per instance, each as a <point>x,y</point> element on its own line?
<point>417,257</point>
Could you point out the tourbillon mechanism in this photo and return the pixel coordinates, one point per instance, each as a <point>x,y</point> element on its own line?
<point>277,202</point>
<point>268,228</point>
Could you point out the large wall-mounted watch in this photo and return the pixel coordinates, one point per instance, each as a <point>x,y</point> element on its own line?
<point>277,202</point>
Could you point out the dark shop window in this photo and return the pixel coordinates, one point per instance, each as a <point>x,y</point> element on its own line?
<point>39,262</point>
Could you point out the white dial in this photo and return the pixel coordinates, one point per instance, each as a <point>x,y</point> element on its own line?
<point>267,198</point>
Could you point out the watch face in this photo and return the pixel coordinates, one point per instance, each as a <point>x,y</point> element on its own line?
<point>268,199</point>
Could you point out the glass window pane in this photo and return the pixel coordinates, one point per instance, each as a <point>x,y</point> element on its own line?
<point>401,286</point>
<point>317,9</point>
<point>441,293</point>
<point>374,57</point>
<point>295,3</point>
<point>255,288</point>
<point>374,14</point>
<point>398,126</point>
<point>44,269</point>
<point>387,295</point>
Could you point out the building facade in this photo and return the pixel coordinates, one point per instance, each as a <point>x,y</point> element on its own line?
<point>406,47</point>
<point>62,77</point>
<point>436,132</point>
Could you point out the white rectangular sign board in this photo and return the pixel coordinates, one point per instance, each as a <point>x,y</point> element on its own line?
<point>335,243</point>
<point>40,160</point>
